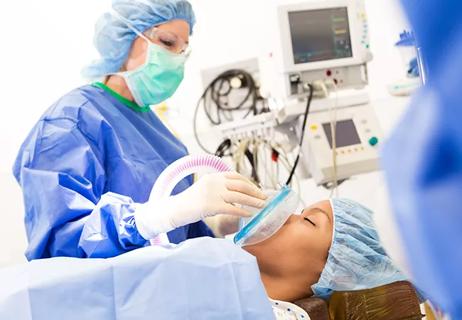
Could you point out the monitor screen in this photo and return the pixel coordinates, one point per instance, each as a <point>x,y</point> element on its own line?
<point>345,134</point>
<point>319,35</point>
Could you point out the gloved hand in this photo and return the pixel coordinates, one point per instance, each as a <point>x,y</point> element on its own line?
<point>212,194</point>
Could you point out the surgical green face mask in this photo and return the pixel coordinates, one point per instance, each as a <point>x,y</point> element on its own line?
<point>158,78</point>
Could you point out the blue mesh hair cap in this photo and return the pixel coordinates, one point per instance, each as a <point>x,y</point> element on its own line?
<point>356,257</point>
<point>113,38</point>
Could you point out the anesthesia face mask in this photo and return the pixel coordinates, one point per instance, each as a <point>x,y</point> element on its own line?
<point>269,220</point>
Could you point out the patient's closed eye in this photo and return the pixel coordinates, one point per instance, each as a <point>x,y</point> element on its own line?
<point>308,219</point>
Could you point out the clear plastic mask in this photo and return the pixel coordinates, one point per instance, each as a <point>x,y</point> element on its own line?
<point>269,220</point>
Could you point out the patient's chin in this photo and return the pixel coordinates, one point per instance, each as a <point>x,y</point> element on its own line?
<point>257,249</point>
<point>263,255</point>
<point>253,249</point>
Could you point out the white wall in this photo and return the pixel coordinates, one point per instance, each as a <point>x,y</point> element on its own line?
<point>45,46</point>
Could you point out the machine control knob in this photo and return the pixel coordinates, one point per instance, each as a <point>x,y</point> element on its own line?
<point>373,141</point>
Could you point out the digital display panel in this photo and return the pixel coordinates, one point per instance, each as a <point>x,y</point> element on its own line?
<point>345,134</point>
<point>319,35</point>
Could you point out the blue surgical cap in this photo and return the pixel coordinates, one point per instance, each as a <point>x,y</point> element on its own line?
<point>113,38</point>
<point>356,258</point>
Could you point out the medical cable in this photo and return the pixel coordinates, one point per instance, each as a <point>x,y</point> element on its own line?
<point>269,171</point>
<point>216,104</point>
<point>302,134</point>
<point>333,129</point>
<point>245,151</point>
<point>223,147</point>
<point>196,134</point>
<point>322,86</point>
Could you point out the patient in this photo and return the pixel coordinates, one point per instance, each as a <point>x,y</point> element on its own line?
<point>330,246</point>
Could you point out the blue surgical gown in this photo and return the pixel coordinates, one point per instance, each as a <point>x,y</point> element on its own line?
<point>426,182</point>
<point>82,168</point>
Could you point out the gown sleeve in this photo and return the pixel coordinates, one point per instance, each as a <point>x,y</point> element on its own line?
<point>61,173</point>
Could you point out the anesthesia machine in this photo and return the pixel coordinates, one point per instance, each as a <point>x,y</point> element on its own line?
<point>316,118</point>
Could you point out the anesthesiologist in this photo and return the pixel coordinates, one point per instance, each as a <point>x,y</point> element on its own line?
<point>88,166</point>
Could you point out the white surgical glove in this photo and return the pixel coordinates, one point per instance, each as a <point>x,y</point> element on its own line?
<point>211,195</point>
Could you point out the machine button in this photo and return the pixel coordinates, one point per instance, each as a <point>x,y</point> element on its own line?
<point>313,127</point>
<point>373,141</point>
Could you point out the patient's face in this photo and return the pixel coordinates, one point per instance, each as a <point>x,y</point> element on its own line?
<point>298,252</point>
